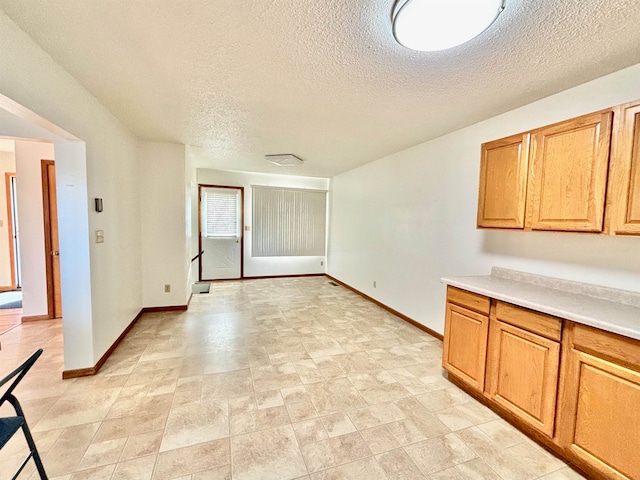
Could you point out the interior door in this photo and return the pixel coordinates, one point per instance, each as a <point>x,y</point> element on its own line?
<point>52,247</point>
<point>221,232</point>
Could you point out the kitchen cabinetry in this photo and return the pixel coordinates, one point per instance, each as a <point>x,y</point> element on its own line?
<point>580,175</point>
<point>574,388</point>
<point>598,418</point>
<point>568,174</point>
<point>503,182</point>
<point>625,172</point>
<point>465,336</point>
<point>523,364</point>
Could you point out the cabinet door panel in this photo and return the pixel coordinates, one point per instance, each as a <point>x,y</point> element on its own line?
<point>503,182</point>
<point>465,345</point>
<point>606,429</point>
<point>568,174</point>
<point>524,374</point>
<point>625,184</point>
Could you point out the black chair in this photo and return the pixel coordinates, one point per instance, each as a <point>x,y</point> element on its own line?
<point>10,425</point>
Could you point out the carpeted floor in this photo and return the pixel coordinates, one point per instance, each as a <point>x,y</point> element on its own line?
<point>10,300</point>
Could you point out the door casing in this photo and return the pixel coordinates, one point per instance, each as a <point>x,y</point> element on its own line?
<point>241,189</point>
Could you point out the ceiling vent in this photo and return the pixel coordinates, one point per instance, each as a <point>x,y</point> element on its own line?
<point>284,160</point>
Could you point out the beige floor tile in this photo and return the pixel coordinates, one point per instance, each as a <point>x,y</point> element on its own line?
<point>523,460</point>
<point>379,439</point>
<point>78,409</point>
<point>102,453</point>
<point>132,425</point>
<point>264,353</point>
<point>218,473</point>
<point>193,459</point>
<point>442,399</point>
<point>259,420</point>
<point>440,453</point>
<point>334,451</point>
<point>334,396</point>
<point>269,399</point>
<point>338,424</point>
<point>476,469</point>
<point>66,453</point>
<point>376,415</point>
<point>196,423</point>
<point>563,474</point>
<point>303,410</point>
<point>242,404</point>
<point>140,468</point>
<point>399,466</point>
<point>465,415</point>
<point>310,431</point>
<point>100,473</point>
<point>267,455</point>
<point>142,445</point>
<point>367,468</point>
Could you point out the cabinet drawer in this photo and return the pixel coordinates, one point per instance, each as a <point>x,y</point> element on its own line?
<point>472,301</point>
<point>607,345</point>
<point>544,325</point>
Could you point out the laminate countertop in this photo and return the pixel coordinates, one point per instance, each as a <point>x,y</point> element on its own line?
<point>609,309</point>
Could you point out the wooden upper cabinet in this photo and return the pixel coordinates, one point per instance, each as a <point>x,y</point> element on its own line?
<point>568,174</point>
<point>503,182</point>
<point>625,171</point>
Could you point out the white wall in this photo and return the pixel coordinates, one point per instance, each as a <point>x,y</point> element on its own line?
<point>408,219</point>
<point>7,165</point>
<point>101,298</point>
<point>30,216</point>
<point>267,266</point>
<point>164,251</point>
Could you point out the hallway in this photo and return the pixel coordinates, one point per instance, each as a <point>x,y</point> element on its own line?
<point>264,379</point>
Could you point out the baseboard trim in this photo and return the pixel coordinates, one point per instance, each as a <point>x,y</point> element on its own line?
<point>295,275</point>
<point>410,320</point>
<point>171,308</point>
<point>35,318</point>
<point>86,372</point>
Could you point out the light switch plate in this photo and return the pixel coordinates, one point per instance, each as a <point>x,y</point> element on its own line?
<point>99,236</point>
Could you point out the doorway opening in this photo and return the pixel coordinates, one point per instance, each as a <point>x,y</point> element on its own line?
<point>220,226</point>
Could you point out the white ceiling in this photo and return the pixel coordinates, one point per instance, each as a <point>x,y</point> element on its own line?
<point>323,79</point>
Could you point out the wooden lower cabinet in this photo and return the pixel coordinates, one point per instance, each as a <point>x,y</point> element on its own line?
<point>599,409</point>
<point>522,374</point>
<point>465,345</point>
<point>573,388</point>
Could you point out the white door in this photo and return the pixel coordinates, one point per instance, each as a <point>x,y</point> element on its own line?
<point>220,233</point>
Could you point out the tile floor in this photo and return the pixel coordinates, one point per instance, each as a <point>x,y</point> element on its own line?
<point>264,379</point>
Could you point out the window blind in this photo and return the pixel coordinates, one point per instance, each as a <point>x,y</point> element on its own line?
<point>288,222</point>
<point>220,212</point>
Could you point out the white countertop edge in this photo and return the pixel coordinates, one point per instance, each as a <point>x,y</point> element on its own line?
<point>466,283</point>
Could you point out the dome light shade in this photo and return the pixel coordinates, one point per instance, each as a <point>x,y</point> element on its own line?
<point>431,25</point>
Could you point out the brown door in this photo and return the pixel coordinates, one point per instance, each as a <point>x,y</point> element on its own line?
<point>52,248</point>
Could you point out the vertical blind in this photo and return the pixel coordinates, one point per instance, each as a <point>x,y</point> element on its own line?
<point>220,212</point>
<point>288,222</point>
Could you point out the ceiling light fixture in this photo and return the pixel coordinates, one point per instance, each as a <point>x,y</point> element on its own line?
<point>432,25</point>
<point>284,160</point>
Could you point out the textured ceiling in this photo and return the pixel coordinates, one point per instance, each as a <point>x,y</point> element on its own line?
<point>322,79</point>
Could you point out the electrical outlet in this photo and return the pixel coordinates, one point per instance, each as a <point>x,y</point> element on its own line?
<point>99,236</point>
<point>374,284</point>
<point>167,288</point>
<point>321,263</point>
